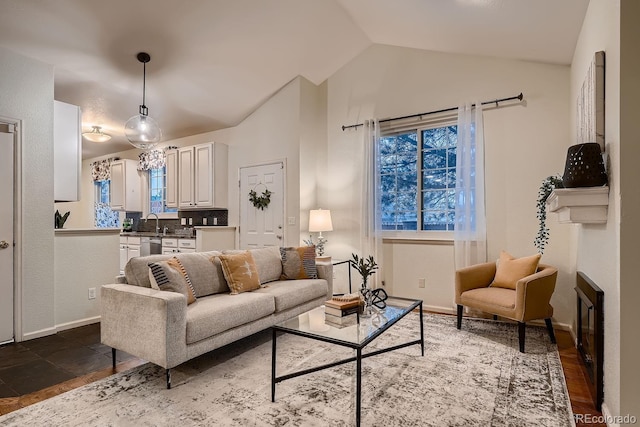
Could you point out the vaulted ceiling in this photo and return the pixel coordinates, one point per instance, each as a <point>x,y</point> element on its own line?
<point>213,62</point>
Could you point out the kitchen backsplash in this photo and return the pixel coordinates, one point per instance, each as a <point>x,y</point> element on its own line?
<point>205,217</point>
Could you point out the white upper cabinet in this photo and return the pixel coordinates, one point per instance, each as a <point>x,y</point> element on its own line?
<point>125,186</point>
<point>67,152</point>
<point>201,176</point>
<point>171,200</point>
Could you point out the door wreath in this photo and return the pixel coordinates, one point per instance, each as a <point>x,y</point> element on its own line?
<point>262,201</point>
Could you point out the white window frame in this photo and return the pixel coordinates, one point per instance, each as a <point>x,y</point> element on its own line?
<point>163,215</point>
<point>422,235</point>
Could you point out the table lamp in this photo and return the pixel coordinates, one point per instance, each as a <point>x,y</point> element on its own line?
<point>319,221</point>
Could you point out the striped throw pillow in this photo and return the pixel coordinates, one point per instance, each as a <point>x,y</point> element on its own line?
<point>170,275</point>
<point>299,263</point>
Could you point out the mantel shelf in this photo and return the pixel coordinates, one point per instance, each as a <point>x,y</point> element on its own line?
<point>586,205</point>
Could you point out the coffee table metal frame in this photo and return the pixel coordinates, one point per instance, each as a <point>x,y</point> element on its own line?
<point>412,304</point>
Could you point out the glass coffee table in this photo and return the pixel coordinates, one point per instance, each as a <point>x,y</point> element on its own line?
<point>356,336</point>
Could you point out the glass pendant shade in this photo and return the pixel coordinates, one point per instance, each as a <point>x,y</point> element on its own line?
<point>142,131</point>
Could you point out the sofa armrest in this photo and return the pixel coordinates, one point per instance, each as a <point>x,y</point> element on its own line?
<point>533,294</point>
<point>473,277</point>
<point>325,271</point>
<point>147,323</point>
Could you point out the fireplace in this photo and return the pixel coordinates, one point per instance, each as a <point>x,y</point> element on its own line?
<point>590,338</point>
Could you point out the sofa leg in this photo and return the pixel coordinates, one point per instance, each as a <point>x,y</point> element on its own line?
<point>168,379</point>
<point>113,357</point>
<point>459,323</point>
<point>521,329</point>
<point>495,317</point>
<point>552,336</point>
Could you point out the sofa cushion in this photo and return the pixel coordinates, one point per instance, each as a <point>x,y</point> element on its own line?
<point>268,263</point>
<point>171,276</point>
<point>510,269</point>
<point>206,275</point>
<point>217,313</point>
<point>240,272</point>
<point>290,293</point>
<point>299,263</point>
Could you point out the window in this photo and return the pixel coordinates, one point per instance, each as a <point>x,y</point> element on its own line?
<point>417,179</point>
<point>158,191</point>
<point>104,217</point>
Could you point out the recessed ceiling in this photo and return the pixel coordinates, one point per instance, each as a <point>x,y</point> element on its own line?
<point>213,62</point>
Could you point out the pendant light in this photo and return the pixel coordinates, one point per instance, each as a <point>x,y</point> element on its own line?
<point>141,130</point>
<point>96,135</point>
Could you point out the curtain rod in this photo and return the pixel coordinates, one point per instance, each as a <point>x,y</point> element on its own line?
<point>495,101</point>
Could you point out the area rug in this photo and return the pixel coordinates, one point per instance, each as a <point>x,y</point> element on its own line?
<point>470,377</point>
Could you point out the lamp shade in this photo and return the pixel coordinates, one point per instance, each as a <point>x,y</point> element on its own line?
<point>320,220</point>
<point>96,135</point>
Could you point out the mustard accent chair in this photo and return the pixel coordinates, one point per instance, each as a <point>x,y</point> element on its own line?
<point>529,301</point>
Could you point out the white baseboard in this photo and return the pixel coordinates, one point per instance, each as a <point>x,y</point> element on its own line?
<point>38,334</point>
<point>77,323</point>
<point>58,328</point>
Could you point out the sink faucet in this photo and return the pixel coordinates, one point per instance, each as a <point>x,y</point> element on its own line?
<point>157,225</point>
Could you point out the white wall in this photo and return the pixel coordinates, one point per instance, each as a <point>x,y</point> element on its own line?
<point>598,246</point>
<point>82,261</point>
<point>524,144</point>
<point>27,94</point>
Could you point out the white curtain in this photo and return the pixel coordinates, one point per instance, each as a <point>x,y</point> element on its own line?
<point>470,235</point>
<point>370,221</point>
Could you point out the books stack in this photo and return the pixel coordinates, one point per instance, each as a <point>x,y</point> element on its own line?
<point>339,309</point>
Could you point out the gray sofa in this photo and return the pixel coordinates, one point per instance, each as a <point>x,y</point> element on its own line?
<point>160,327</point>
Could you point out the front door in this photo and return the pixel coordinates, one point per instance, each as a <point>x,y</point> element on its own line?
<point>262,227</point>
<point>6,237</point>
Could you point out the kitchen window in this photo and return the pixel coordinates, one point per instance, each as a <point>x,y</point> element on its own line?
<point>104,217</point>
<point>158,192</point>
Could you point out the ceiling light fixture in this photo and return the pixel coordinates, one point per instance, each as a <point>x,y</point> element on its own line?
<point>96,135</point>
<point>141,130</point>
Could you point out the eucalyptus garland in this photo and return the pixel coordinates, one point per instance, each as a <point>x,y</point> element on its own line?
<point>548,185</point>
<point>260,202</point>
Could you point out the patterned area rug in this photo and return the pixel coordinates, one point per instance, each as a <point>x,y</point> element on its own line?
<point>472,377</point>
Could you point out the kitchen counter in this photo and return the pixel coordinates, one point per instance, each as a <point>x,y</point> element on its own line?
<point>85,231</point>
<point>152,234</point>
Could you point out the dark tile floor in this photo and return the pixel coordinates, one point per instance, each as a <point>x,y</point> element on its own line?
<point>36,364</point>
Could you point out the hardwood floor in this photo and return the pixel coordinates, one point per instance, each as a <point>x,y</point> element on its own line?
<point>81,347</point>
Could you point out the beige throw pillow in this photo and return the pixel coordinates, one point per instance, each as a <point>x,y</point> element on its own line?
<point>240,272</point>
<point>511,269</point>
<point>170,275</point>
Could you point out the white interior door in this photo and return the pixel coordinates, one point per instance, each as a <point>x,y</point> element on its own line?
<point>6,237</point>
<point>262,227</point>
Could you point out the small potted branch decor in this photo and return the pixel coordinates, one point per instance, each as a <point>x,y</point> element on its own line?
<point>548,185</point>
<point>366,267</point>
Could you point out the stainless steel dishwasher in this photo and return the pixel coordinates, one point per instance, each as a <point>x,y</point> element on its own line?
<point>150,246</point>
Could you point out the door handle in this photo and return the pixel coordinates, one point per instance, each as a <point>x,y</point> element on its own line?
<point>4,244</point>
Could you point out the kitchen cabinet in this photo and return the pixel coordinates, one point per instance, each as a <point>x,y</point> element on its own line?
<point>174,245</point>
<point>171,171</point>
<point>126,186</point>
<point>129,248</point>
<point>200,176</point>
<point>67,152</point>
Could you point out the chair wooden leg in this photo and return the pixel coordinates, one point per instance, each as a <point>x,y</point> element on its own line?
<point>521,329</point>
<point>552,336</point>
<point>459,323</point>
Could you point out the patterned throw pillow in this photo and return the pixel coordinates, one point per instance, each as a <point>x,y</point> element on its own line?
<point>299,263</point>
<point>511,269</point>
<point>170,275</point>
<point>240,272</point>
